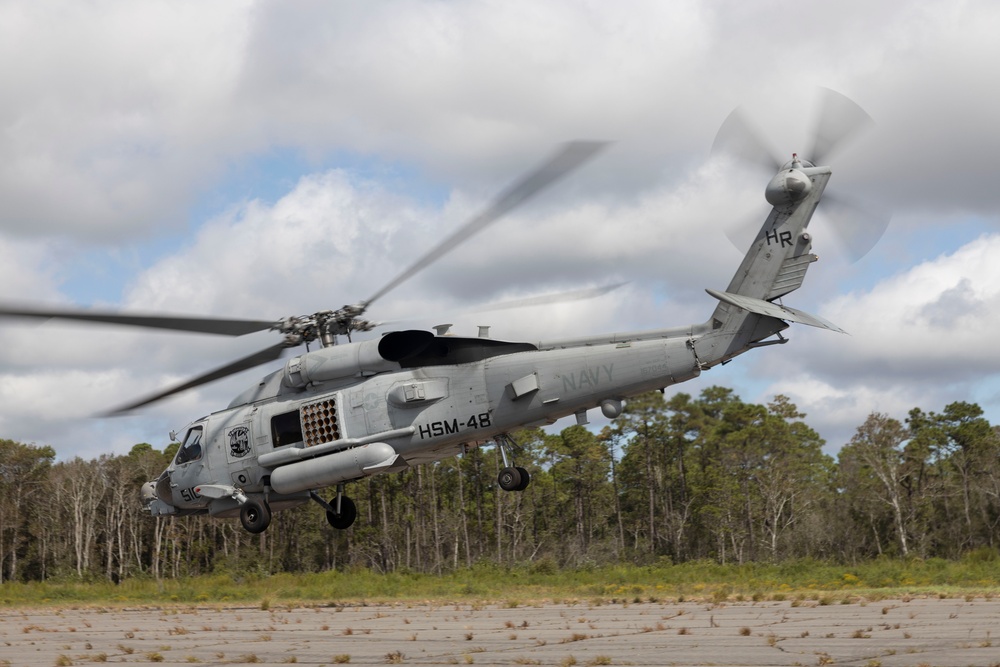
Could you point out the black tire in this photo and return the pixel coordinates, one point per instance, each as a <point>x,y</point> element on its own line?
<point>348,513</point>
<point>525,479</point>
<point>255,516</point>
<point>509,479</point>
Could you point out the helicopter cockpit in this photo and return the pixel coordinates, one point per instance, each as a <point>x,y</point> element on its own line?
<point>173,491</point>
<point>191,449</point>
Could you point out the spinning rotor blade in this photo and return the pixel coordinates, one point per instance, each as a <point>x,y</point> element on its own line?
<point>839,119</point>
<point>742,232</point>
<point>549,299</point>
<point>527,302</point>
<point>739,138</point>
<point>255,359</point>
<point>858,226</point>
<point>210,325</point>
<point>571,156</point>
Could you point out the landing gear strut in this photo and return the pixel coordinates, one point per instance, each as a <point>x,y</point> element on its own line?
<point>511,478</point>
<point>340,511</point>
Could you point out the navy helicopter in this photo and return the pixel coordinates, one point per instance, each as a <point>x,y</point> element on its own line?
<point>349,410</point>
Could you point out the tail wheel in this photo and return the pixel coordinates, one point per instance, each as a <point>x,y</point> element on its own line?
<point>255,516</point>
<point>348,513</point>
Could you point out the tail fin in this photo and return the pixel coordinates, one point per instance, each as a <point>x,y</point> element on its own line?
<point>775,265</point>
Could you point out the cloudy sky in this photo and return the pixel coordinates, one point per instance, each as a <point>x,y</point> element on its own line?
<point>265,159</point>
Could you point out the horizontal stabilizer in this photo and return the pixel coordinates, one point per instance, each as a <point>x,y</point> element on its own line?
<point>761,307</point>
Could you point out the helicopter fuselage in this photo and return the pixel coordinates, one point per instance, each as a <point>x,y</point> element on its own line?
<point>289,435</point>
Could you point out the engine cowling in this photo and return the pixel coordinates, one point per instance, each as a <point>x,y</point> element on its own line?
<point>355,359</point>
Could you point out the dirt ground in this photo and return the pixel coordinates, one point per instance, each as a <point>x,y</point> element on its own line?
<point>942,633</point>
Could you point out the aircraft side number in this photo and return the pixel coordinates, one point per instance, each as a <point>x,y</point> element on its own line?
<point>190,495</point>
<point>450,426</point>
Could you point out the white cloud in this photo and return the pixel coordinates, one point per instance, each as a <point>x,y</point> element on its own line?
<point>26,270</point>
<point>938,317</point>
<point>923,338</point>
<point>326,241</point>
<point>109,108</point>
<point>118,117</point>
<point>836,410</point>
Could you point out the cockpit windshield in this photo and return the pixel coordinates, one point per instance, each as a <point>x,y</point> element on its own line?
<point>191,449</point>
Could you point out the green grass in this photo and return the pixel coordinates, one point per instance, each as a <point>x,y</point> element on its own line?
<point>801,580</point>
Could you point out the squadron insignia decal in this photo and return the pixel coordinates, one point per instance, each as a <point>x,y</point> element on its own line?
<point>239,442</point>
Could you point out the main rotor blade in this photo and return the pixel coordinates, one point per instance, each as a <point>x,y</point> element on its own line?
<point>549,299</point>
<point>210,325</point>
<point>568,158</point>
<point>839,119</point>
<point>527,302</point>
<point>255,359</point>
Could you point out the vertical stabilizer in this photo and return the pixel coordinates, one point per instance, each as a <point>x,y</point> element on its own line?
<point>775,265</point>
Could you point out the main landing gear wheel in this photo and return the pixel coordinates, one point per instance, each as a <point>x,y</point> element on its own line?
<point>255,516</point>
<point>525,478</point>
<point>513,478</point>
<point>348,513</point>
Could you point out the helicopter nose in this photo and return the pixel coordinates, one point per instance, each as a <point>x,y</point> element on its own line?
<point>157,492</point>
<point>162,487</point>
<point>148,492</point>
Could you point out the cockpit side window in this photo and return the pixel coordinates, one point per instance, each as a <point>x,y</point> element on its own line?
<point>191,449</point>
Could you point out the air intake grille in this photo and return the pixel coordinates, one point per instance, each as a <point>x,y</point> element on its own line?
<point>319,423</point>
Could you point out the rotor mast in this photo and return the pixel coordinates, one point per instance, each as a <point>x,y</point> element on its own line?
<point>324,326</point>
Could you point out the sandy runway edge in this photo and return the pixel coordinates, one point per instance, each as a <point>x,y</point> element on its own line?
<point>921,631</point>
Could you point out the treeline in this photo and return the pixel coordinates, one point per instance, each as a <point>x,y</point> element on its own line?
<point>671,480</point>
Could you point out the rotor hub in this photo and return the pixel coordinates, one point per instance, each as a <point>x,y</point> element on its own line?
<point>788,187</point>
<point>324,325</point>
<point>797,163</point>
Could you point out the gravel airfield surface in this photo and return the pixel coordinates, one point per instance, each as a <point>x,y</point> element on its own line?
<point>919,631</point>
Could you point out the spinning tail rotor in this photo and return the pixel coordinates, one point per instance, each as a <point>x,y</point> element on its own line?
<point>857,226</point>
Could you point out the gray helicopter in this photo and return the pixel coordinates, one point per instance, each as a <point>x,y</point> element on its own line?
<point>349,410</point>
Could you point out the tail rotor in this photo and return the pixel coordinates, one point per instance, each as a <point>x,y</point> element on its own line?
<point>857,225</point>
